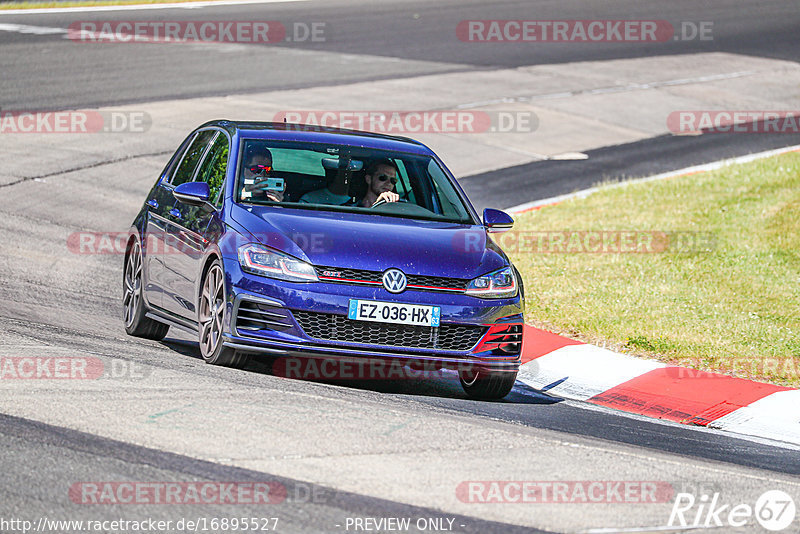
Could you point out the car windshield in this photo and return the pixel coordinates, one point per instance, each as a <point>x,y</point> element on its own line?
<point>347,178</point>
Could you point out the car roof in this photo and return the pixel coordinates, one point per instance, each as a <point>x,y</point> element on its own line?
<point>317,134</point>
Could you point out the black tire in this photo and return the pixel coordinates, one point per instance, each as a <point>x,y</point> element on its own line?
<point>211,311</point>
<point>133,306</point>
<point>487,385</point>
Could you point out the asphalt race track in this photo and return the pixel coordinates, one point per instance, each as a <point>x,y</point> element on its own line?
<point>336,452</point>
<point>407,31</point>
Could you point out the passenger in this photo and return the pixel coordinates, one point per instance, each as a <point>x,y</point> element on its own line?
<point>257,166</point>
<point>335,190</point>
<point>380,177</point>
<point>327,195</point>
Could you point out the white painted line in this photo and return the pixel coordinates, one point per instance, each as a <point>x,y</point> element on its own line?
<point>714,165</point>
<point>568,156</point>
<point>776,417</point>
<point>140,7</point>
<point>582,371</point>
<point>34,30</point>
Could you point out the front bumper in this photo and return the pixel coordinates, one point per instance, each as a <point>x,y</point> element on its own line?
<point>458,311</point>
<point>280,348</point>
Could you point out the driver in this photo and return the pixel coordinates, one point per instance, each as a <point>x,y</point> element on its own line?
<point>381,177</point>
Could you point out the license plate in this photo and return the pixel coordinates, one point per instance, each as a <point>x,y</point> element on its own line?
<point>394,312</point>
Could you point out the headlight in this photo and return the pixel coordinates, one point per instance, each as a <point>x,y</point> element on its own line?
<point>258,259</point>
<point>499,284</point>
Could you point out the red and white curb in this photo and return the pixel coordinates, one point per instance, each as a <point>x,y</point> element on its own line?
<point>574,370</point>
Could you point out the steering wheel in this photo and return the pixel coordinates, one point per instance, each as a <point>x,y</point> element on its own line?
<point>384,201</point>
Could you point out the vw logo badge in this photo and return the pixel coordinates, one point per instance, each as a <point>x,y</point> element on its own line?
<point>394,281</point>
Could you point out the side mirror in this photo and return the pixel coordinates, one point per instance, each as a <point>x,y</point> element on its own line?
<point>497,221</point>
<point>193,193</point>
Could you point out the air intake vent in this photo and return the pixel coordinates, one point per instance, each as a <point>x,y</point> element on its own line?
<point>252,316</point>
<point>504,337</point>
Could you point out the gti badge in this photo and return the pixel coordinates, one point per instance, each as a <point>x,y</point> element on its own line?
<point>394,281</point>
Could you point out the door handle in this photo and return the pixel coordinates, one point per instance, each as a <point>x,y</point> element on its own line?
<point>152,203</point>
<point>175,212</point>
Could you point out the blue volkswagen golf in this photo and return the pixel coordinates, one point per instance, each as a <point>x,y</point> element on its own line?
<point>286,240</point>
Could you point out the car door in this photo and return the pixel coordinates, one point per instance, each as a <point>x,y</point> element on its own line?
<point>165,270</point>
<point>193,228</point>
<point>154,244</point>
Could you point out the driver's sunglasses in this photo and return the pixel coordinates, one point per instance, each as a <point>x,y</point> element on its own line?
<point>383,178</point>
<point>255,169</point>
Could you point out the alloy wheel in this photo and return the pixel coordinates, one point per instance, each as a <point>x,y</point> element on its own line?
<point>212,311</point>
<point>133,284</point>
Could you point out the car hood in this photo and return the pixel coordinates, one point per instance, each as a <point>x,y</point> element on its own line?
<point>374,242</point>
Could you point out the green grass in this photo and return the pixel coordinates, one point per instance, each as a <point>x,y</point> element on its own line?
<point>732,305</point>
<point>83,3</point>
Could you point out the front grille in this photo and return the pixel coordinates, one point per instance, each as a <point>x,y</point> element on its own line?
<point>437,281</point>
<point>333,274</point>
<point>252,315</point>
<point>330,327</point>
<point>349,274</point>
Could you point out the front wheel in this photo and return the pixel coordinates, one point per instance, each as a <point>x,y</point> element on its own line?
<point>487,385</point>
<point>133,306</point>
<point>211,318</point>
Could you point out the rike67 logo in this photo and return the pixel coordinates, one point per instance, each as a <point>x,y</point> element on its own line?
<point>774,510</point>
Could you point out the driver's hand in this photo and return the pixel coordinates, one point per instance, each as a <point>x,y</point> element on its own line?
<point>255,191</point>
<point>275,196</point>
<point>388,196</point>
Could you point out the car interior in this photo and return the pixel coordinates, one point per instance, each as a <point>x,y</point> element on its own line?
<point>304,170</point>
